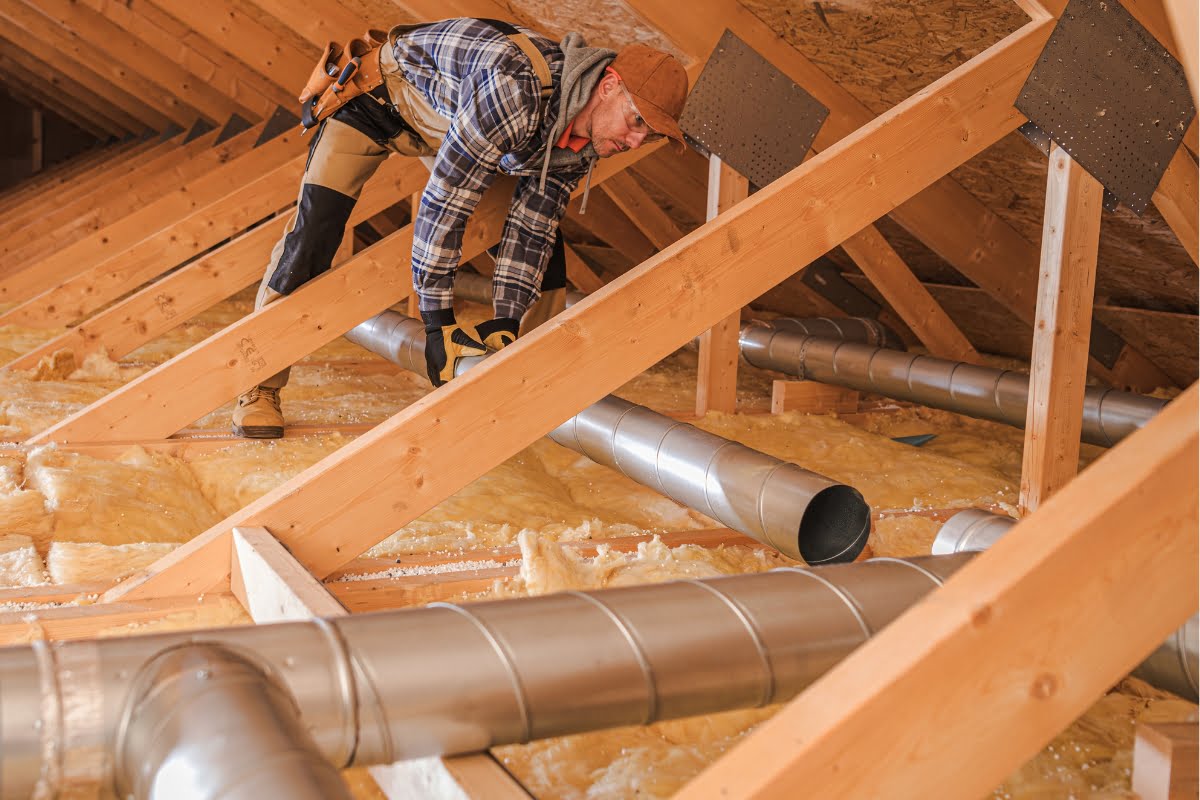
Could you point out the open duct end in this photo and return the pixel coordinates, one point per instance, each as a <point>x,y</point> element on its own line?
<point>835,526</point>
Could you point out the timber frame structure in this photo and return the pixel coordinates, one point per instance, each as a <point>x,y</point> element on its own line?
<point>157,229</point>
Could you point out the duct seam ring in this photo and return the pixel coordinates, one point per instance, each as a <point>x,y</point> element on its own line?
<point>51,719</point>
<point>658,460</point>
<point>612,439</point>
<point>505,659</point>
<point>707,471</point>
<point>347,687</point>
<point>764,656</point>
<point>639,653</point>
<point>841,593</point>
<point>762,510</point>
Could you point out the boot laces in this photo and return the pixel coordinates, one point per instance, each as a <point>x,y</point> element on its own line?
<point>271,395</point>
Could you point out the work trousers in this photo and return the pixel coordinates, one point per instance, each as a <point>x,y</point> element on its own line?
<point>341,159</point>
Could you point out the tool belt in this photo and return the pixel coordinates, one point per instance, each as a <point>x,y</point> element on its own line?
<point>348,70</point>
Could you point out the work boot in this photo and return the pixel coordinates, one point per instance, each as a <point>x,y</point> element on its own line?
<point>258,415</point>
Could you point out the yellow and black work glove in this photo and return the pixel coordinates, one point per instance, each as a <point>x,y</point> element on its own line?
<point>497,333</point>
<point>445,344</point>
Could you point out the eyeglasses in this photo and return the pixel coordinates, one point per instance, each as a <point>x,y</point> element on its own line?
<point>639,124</point>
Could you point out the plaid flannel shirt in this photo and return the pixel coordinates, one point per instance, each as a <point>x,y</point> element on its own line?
<point>477,78</point>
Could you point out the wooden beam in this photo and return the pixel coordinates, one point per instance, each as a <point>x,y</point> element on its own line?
<point>606,221</point>
<point>642,211</point>
<point>810,397</point>
<point>1184,20</point>
<point>154,105</point>
<point>122,193</point>
<point>682,177</point>
<point>52,92</point>
<point>87,621</point>
<point>111,42</point>
<point>946,218</point>
<point>85,185</point>
<point>246,40</point>
<point>1164,761</point>
<point>1176,199</point>
<point>579,273</point>
<point>716,371</point>
<point>77,216</point>
<point>342,506</point>
<point>251,198</point>
<point>1058,367</point>
<point>200,55</point>
<point>76,79</point>
<point>170,209</point>
<point>157,404</point>
<point>903,291</point>
<point>125,326</point>
<point>1015,646</point>
<point>273,587</point>
<point>334,22</point>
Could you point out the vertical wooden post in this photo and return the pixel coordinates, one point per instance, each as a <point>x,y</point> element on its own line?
<point>1062,329</point>
<point>716,376</point>
<point>37,154</point>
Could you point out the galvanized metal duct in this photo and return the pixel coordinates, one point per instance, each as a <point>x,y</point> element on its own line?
<point>441,680</point>
<point>478,289</point>
<point>800,513</point>
<point>204,723</point>
<point>1174,666</point>
<point>1109,415</point>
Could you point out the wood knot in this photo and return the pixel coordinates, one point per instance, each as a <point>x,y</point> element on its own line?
<point>1044,686</point>
<point>981,616</point>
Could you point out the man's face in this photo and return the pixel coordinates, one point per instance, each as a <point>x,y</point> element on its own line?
<point>616,124</point>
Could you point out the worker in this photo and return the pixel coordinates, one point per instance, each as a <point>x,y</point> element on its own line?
<point>475,98</point>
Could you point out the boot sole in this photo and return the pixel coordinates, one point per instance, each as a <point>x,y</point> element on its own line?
<point>258,431</point>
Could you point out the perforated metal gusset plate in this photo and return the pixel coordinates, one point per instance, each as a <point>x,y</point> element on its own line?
<point>749,114</point>
<point>1110,95</point>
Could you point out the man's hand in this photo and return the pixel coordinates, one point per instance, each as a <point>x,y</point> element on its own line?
<point>444,346</point>
<point>497,333</point>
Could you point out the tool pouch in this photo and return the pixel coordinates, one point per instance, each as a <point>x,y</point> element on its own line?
<point>342,73</point>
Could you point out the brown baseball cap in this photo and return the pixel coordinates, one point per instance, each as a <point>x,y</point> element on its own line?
<point>658,84</point>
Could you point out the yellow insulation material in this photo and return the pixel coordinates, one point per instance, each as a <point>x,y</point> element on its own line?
<point>92,562</point>
<point>141,497</point>
<point>20,564</point>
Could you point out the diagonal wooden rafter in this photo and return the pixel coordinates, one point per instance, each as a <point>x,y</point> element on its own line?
<point>192,225</point>
<point>75,83</point>
<point>156,309</point>
<point>77,216</point>
<point>41,87</point>
<point>1183,18</point>
<point>70,47</point>
<point>155,404</point>
<point>1014,647</point>
<point>111,42</point>
<point>202,56</point>
<point>947,218</point>
<point>354,498</point>
<point>45,200</point>
<point>115,240</point>
<point>246,40</point>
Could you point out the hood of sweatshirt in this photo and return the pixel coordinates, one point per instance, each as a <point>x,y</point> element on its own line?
<point>583,67</point>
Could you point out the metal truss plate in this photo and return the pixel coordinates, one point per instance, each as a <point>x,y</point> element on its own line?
<point>1109,94</point>
<point>749,114</point>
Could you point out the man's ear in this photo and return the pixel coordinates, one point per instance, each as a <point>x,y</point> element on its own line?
<point>608,84</point>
